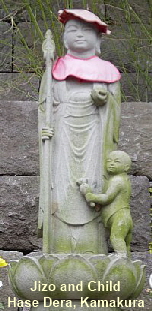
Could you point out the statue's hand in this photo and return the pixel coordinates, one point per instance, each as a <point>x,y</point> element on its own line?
<point>99,96</point>
<point>84,186</point>
<point>92,200</point>
<point>90,197</point>
<point>47,133</point>
<point>84,189</point>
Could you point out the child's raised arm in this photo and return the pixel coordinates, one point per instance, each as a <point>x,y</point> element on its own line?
<point>104,199</point>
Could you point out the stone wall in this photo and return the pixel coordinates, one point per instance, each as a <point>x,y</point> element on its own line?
<point>19,168</point>
<point>20,178</point>
<point>129,46</point>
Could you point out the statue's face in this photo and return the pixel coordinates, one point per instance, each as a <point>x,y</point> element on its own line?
<point>116,164</point>
<point>80,36</point>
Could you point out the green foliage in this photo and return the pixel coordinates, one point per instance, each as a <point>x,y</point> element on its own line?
<point>130,43</point>
<point>2,306</point>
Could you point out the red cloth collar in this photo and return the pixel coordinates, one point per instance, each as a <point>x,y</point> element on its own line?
<point>91,69</point>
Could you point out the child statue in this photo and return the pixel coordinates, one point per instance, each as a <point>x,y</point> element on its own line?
<point>115,210</point>
<point>86,115</point>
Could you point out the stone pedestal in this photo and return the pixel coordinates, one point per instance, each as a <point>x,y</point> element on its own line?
<point>76,303</point>
<point>77,281</point>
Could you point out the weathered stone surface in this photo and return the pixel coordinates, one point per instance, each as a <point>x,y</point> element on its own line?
<point>20,139</point>
<point>19,199</point>
<point>5,47</point>
<point>146,258</point>
<point>135,136</point>
<point>130,10</point>
<point>19,210</point>
<point>18,86</point>
<point>75,269</point>
<point>140,211</point>
<point>19,147</point>
<point>136,88</point>
<point>5,290</point>
<point>150,191</point>
<point>128,47</point>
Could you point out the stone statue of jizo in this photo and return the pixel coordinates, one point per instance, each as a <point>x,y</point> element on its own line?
<point>84,187</point>
<point>85,115</point>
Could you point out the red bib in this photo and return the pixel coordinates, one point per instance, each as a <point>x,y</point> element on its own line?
<point>86,69</point>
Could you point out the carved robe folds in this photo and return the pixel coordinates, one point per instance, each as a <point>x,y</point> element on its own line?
<point>84,135</point>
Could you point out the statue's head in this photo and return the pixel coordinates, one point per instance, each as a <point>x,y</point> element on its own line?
<point>118,162</point>
<point>83,31</point>
<point>80,36</point>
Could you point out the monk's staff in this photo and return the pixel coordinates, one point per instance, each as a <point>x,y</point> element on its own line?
<point>48,49</point>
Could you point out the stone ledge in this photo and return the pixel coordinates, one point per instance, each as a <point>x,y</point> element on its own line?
<point>19,199</point>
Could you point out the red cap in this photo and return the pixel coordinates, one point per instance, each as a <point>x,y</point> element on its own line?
<point>85,15</point>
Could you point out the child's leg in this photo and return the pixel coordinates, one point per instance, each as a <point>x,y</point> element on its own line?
<point>121,224</point>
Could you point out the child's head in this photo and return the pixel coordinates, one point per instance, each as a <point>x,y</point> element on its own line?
<point>118,162</point>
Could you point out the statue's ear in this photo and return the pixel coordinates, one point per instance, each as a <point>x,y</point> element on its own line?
<point>127,168</point>
<point>98,44</point>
